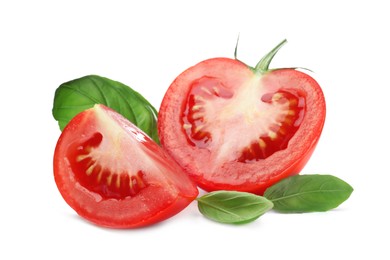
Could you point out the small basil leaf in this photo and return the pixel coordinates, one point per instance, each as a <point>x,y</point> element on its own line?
<point>233,207</point>
<point>308,193</point>
<point>77,95</point>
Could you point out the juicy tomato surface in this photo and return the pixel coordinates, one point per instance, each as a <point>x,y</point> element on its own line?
<point>114,175</point>
<point>234,127</point>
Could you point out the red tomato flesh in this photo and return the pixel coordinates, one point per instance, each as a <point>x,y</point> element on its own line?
<point>114,175</point>
<point>232,128</point>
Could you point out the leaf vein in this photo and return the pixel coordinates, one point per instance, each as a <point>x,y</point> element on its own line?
<point>304,193</point>
<point>221,209</point>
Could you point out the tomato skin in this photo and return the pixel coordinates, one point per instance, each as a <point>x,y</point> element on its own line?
<point>255,176</point>
<point>167,191</point>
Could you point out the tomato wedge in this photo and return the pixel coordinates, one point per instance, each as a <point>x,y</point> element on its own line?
<point>114,175</point>
<point>235,127</point>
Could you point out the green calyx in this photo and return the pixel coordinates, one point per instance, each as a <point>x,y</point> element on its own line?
<point>263,65</point>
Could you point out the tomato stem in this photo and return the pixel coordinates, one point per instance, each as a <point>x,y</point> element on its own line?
<point>263,65</point>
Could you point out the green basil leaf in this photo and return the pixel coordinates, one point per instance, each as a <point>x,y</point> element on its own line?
<point>233,207</point>
<point>308,193</point>
<point>80,94</point>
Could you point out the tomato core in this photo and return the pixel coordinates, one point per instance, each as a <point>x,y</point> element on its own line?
<point>261,120</point>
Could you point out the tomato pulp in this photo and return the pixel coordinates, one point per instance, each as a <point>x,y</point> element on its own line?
<point>114,175</point>
<point>234,127</point>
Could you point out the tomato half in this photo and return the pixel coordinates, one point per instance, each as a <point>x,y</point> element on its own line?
<point>114,175</point>
<point>235,127</point>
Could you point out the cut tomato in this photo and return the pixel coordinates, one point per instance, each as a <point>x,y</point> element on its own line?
<point>234,127</point>
<point>114,175</point>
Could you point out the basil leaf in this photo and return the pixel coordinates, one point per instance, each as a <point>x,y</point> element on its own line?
<point>308,193</point>
<point>233,207</point>
<point>80,94</point>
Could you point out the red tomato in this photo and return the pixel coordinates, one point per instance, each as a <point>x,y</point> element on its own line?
<point>114,175</point>
<point>234,127</point>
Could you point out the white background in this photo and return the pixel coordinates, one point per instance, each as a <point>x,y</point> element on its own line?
<point>146,45</point>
